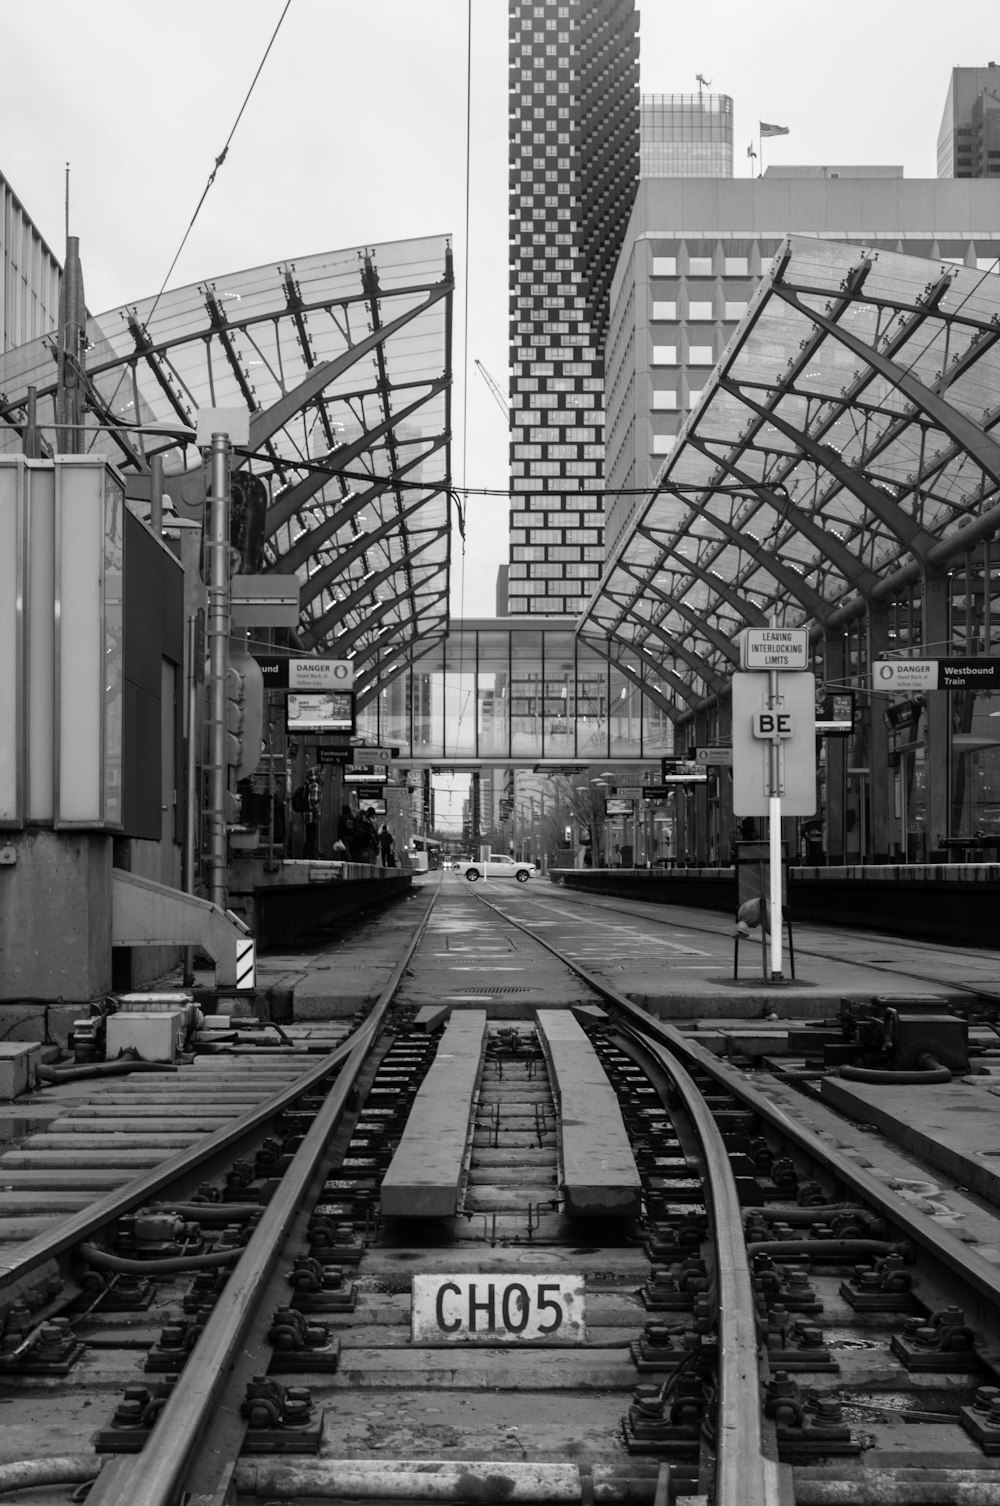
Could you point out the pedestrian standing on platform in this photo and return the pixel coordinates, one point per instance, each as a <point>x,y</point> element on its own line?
<point>370,837</point>
<point>310,816</point>
<point>386,847</point>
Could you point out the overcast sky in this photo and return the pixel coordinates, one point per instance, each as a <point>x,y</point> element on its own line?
<point>355,134</point>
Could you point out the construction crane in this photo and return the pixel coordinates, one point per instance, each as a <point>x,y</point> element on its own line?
<point>702,82</point>
<point>501,401</point>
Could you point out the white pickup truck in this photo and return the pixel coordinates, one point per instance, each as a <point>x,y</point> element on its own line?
<point>497,865</point>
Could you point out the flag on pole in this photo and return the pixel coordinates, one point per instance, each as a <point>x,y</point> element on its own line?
<point>750,150</point>
<point>772,130</point>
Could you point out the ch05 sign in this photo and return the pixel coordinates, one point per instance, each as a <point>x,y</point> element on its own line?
<point>525,1308</point>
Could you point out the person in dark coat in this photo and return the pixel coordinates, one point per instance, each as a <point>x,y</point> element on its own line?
<point>346,832</point>
<point>386,847</point>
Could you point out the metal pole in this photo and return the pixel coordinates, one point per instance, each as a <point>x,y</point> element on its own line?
<point>156,495</point>
<point>191,782</point>
<point>218,629</point>
<point>774,821</point>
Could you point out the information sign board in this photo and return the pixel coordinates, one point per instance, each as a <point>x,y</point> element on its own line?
<point>525,1308</point>
<point>979,673</point>
<point>283,673</point>
<point>721,758</point>
<point>774,648</point>
<point>676,770</point>
<point>366,773</point>
<point>330,711</point>
<point>752,753</point>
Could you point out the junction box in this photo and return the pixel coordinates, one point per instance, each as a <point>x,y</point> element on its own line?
<point>154,1026</point>
<point>901,1031</point>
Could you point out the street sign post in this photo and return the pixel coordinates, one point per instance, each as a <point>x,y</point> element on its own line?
<point>774,764</point>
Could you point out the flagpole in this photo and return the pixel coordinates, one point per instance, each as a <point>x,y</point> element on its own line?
<point>760,149</point>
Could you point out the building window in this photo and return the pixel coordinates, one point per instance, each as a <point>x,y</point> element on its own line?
<point>662,310</point>
<point>701,355</point>
<point>699,309</point>
<point>699,266</point>
<point>664,266</point>
<point>664,355</point>
<point>736,266</point>
<point>736,309</point>
<point>664,400</point>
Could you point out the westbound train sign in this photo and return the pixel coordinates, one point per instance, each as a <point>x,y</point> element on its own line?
<point>936,674</point>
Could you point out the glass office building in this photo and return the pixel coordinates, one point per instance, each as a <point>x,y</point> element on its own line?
<point>686,136</point>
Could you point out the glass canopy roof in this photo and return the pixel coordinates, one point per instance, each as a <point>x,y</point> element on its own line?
<point>848,433</point>
<point>343,362</point>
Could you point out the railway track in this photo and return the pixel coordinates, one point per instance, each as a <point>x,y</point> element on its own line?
<point>558,1255</point>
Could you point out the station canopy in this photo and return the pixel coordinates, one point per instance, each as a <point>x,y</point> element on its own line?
<point>847,440</point>
<point>343,363</point>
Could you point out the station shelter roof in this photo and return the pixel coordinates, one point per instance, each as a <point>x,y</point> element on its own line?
<point>342,361</point>
<point>846,441</point>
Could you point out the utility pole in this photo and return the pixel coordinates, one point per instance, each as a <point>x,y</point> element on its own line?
<point>218,628</point>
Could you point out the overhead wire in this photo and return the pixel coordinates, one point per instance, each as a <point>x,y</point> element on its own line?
<point>220,159</point>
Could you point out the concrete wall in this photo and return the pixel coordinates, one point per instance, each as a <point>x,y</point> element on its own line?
<point>55,917</point>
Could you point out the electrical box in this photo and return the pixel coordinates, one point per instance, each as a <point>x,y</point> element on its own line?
<point>154,1037</point>
<point>911,1037</point>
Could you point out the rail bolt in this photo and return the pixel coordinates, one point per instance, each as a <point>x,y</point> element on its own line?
<point>54,1339</point>
<point>828,1413</point>
<point>131,1410</point>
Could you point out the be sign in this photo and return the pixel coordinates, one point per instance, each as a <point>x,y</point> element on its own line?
<point>772,724</point>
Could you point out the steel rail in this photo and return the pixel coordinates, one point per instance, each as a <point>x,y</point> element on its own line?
<point>981,1274</point>
<point>79,1226</point>
<point>745,1476</point>
<point>743,1472</point>
<point>156,1476</point>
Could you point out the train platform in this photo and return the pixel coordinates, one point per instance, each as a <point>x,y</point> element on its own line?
<point>679,962</point>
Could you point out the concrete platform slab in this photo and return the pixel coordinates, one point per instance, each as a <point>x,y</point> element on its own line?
<point>954,1126</point>
<point>599,1174</point>
<point>424,1179</point>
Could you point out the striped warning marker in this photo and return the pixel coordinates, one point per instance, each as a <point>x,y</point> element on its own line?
<point>246,962</point>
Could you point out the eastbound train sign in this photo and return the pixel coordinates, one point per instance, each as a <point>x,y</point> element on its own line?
<point>526,1308</point>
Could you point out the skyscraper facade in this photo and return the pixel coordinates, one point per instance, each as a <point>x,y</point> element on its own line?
<point>969,138</point>
<point>574,164</point>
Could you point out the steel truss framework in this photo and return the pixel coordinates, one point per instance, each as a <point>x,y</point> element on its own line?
<point>343,362</point>
<point>846,443</point>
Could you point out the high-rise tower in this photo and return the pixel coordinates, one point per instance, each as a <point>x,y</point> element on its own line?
<point>969,138</point>
<point>574,164</point>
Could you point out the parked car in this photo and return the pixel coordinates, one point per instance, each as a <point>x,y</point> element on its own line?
<point>497,865</point>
